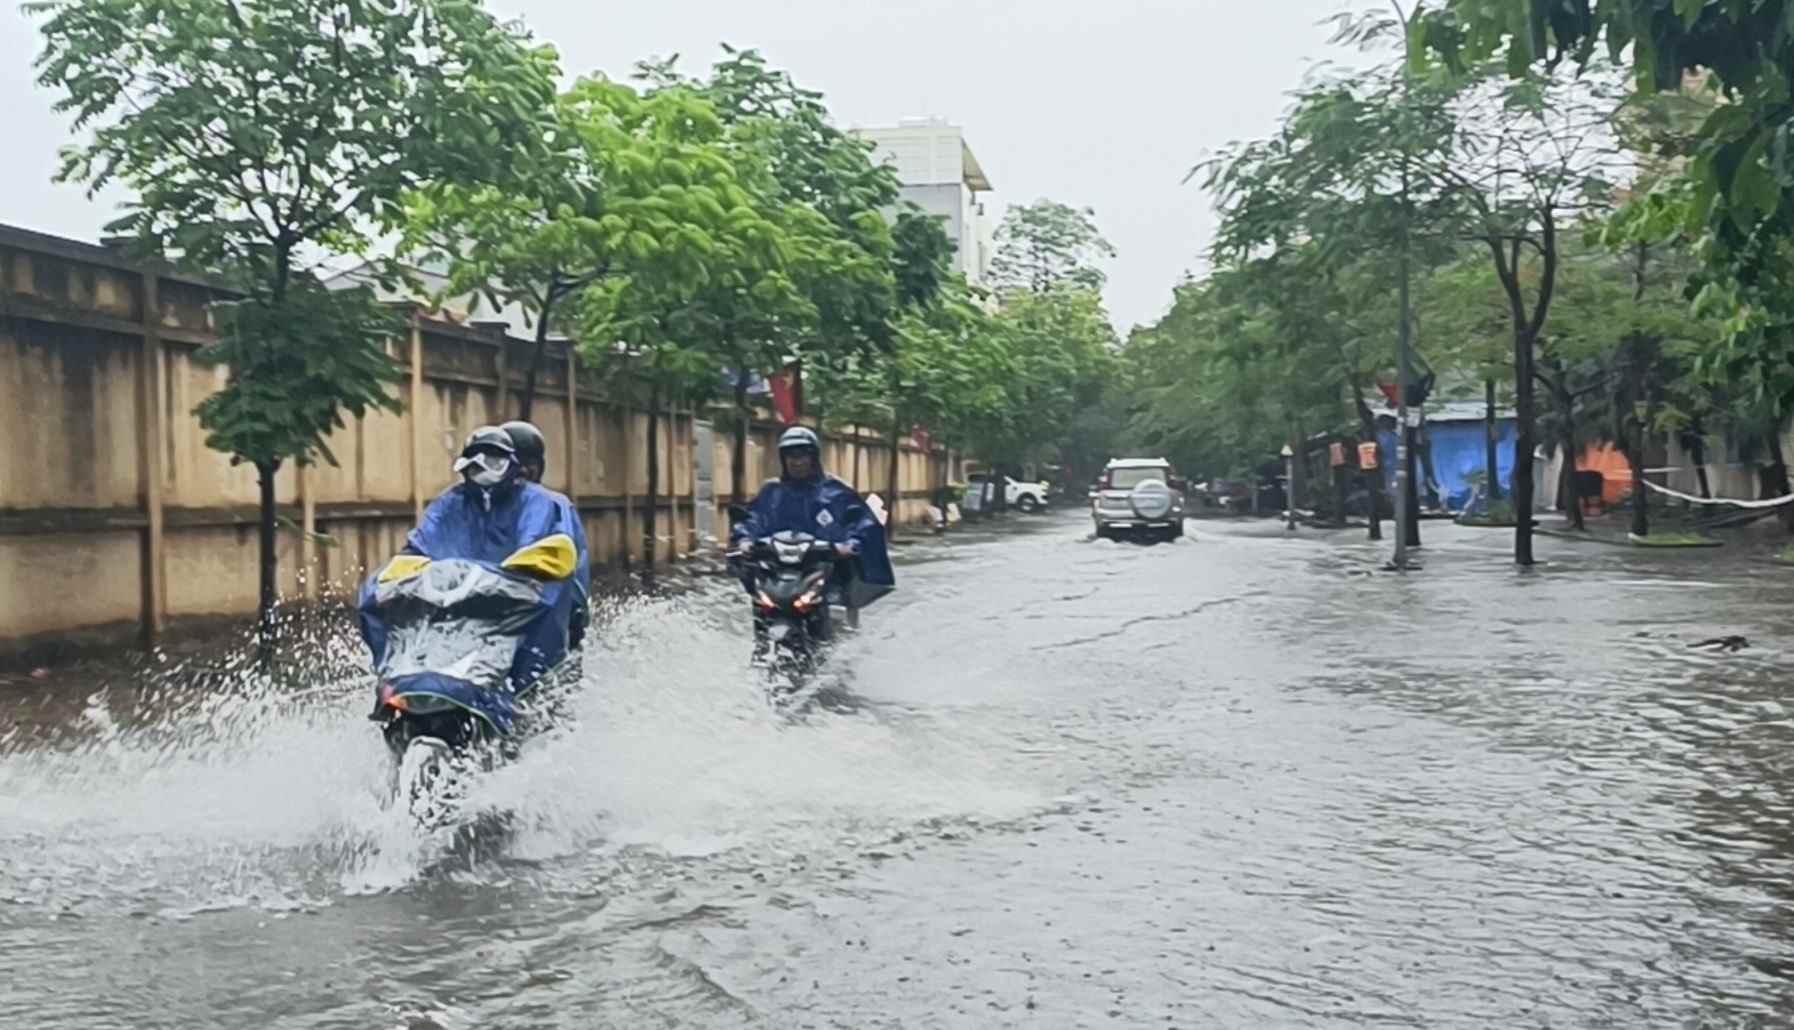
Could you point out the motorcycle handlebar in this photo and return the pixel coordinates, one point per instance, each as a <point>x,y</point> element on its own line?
<point>765,547</point>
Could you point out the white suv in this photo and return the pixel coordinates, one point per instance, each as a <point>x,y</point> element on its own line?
<point>1027,497</point>
<point>1138,495</point>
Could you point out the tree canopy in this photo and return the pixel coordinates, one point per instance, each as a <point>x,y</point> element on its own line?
<point>1046,245</point>
<point>257,136</point>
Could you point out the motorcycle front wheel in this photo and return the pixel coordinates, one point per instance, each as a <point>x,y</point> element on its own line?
<point>430,785</point>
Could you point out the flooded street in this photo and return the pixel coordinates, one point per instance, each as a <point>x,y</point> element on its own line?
<point>1241,780</point>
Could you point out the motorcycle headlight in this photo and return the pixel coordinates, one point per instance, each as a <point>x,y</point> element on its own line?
<point>790,554</point>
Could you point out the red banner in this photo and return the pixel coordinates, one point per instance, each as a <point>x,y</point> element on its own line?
<point>920,435</point>
<point>788,393</point>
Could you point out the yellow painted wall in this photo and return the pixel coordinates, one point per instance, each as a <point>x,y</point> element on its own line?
<point>73,365</point>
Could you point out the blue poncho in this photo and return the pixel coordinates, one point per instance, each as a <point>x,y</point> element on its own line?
<point>521,547</point>
<point>830,510</point>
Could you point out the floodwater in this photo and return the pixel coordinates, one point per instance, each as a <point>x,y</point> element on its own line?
<point>1243,780</point>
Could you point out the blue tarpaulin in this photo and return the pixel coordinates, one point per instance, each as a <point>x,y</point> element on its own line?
<point>1458,455</point>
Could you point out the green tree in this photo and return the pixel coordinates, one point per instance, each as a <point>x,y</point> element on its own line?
<point>536,235</point>
<point>255,133</point>
<point>685,239</point>
<point>1210,385</point>
<point>1045,245</point>
<point>1260,354</point>
<point>821,188</point>
<point>1382,154</point>
<point>1736,194</point>
<point>1464,307</point>
<point>1061,350</point>
<point>1047,267</point>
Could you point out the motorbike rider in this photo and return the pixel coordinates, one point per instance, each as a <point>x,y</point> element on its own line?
<point>498,514</point>
<point>808,500</point>
<point>532,463</point>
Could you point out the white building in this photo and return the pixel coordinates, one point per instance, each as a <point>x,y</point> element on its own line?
<point>940,176</point>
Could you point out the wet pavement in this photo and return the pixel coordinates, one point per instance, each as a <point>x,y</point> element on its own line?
<point>1243,780</point>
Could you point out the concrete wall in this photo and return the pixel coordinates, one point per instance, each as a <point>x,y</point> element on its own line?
<point>115,518</point>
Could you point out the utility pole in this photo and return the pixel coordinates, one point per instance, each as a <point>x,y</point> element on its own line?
<point>1407,528</point>
<point>1404,449</point>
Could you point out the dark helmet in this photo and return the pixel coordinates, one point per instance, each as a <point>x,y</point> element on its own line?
<point>489,440</point>
<point>488,448</point>
<point>532,447</point>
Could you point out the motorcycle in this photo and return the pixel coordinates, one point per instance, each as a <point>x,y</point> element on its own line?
<point>789,576</point>
<point>463,649</point>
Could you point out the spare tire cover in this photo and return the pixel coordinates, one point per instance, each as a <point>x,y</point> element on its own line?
<point>1151,499</point>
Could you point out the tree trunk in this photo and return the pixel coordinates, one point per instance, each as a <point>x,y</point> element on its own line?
<point>1339,485</point>
<point>1491,442</point>
<point>1638,352</point>
<point>895,500</point>
<point>941,494</point>
<point>1431,494</point>
<point>1571,488</point>
<point>1523,446</point>
<point>1778,477</point>
<point>624,418</point>
<point>1373,492</point>
<point>650,516</point>
<point>1526,326</point>
<point>1697,450</point>
<point>1373,478</point>
<point>535,360</point>
<point>1635,457</point>
<point>1411,498</point>
<point>265,627</point>
<point>744,425</point>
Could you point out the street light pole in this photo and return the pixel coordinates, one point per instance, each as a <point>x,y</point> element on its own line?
<point>1289,488</point>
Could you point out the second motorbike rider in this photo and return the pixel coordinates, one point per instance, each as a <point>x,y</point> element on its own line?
<point>806,499</point>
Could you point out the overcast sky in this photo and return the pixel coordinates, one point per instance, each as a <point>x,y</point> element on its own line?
<point>1105,103</point>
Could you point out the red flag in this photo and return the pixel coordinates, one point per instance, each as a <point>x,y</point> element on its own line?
<point>920,435</point>
<point>788,393</point>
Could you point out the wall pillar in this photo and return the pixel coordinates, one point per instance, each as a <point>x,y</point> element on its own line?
<point>152,435</point>
<point>625,450</point>
<point>412,405</point>
<point>572,424</point>
<point>308,531</point>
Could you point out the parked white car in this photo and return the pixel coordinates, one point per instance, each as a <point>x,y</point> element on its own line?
<point>1025,497</point>
<point>1138,495</point>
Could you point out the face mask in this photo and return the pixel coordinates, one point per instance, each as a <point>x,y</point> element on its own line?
<point>484,469</point>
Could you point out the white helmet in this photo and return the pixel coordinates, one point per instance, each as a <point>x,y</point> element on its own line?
<point>799,436</point>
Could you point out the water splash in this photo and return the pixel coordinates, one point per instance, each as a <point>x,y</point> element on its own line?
<point>173,802</point>
<point>672,744</point>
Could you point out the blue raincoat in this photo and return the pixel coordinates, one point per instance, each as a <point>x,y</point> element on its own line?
<point>830,510</point>
<point>491,530</point>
